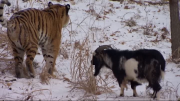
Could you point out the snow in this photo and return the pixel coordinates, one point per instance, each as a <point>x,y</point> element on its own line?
<point>112,26</point>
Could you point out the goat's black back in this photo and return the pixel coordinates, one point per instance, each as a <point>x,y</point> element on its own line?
<point>147,55</point>
<point>141,55</point>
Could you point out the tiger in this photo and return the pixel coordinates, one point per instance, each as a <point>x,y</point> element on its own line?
<point>31,28</point>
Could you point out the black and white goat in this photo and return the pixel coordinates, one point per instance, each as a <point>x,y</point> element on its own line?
<point>131,66</point>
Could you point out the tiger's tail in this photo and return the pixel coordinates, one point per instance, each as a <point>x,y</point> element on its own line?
<point>2,3</point>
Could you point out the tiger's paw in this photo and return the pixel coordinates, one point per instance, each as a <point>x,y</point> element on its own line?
<point>31,75</point>
<point>20,74</point>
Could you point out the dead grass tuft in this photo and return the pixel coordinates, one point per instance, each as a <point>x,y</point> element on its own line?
<point>101,15</point>
<point>44,76</point>
<point>130,22</point>
<point>165,32</point>
<point>148,29</point>
<point>93,12</point>
<point>5,51</point>
<point>5,48</point>
<point>64,50</point>
<point>7,66</point>
<point>126,7</point>
<point>170,91</point>
<point>31,95</point>
<point>82,71</point>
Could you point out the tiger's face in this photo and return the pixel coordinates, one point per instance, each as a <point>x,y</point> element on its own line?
<point>63,9</point>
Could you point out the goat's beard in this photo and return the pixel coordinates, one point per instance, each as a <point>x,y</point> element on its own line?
<point>96,72</point>
<point>98,63</point>
<point>97,69</point>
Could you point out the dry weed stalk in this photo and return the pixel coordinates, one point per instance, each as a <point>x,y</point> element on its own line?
<point>4,45</point>
<point>31,95</point>
<point>65,49</point>
<point>131,22</point>
<point>82,71</point>
<point>170,91</point>
<point>44,76</point>
<point>5,51</point>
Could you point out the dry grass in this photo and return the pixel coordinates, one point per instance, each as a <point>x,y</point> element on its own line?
<point>5,51</point>
<point>170,91</point>
<point>131,22</point>
<point>4,45</point>
<point>44,76</point>
<point>148,29</point>
<point>65,49</point>
<point>165,32</point>
<point>82,70</point>
<point>31,95</point>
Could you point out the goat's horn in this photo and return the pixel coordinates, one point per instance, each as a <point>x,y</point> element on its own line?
<point>102,47</point>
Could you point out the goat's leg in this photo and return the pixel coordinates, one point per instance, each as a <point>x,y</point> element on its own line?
<point>133,87</point>
<point>120,78</point>
<point>121,85</point>
<point>156,88</point>
<point>122,90</point>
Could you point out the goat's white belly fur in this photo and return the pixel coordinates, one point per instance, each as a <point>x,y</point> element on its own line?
<point>130,66</point>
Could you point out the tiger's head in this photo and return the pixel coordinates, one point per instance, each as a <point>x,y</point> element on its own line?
<point>62,10</point>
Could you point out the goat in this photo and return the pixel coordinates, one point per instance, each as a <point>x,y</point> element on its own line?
<point>131,66</point>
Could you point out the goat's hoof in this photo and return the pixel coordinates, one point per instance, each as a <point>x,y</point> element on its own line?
<point>134,95</point>
<point>153,95</point>
<point>121,95</point>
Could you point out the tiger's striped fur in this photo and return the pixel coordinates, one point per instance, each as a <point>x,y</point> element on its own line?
<point>30,28</point>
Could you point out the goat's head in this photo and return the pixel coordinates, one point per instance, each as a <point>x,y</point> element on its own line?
<point>97,59</point>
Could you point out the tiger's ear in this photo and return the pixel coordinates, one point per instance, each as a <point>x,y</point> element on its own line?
<point>67,7</point>
<point>50,4</point>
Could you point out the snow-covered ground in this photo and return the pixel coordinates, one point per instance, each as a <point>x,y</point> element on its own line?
<point>128,25</point>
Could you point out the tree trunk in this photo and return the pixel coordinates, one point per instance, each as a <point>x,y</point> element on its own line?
<point>175,28</point>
